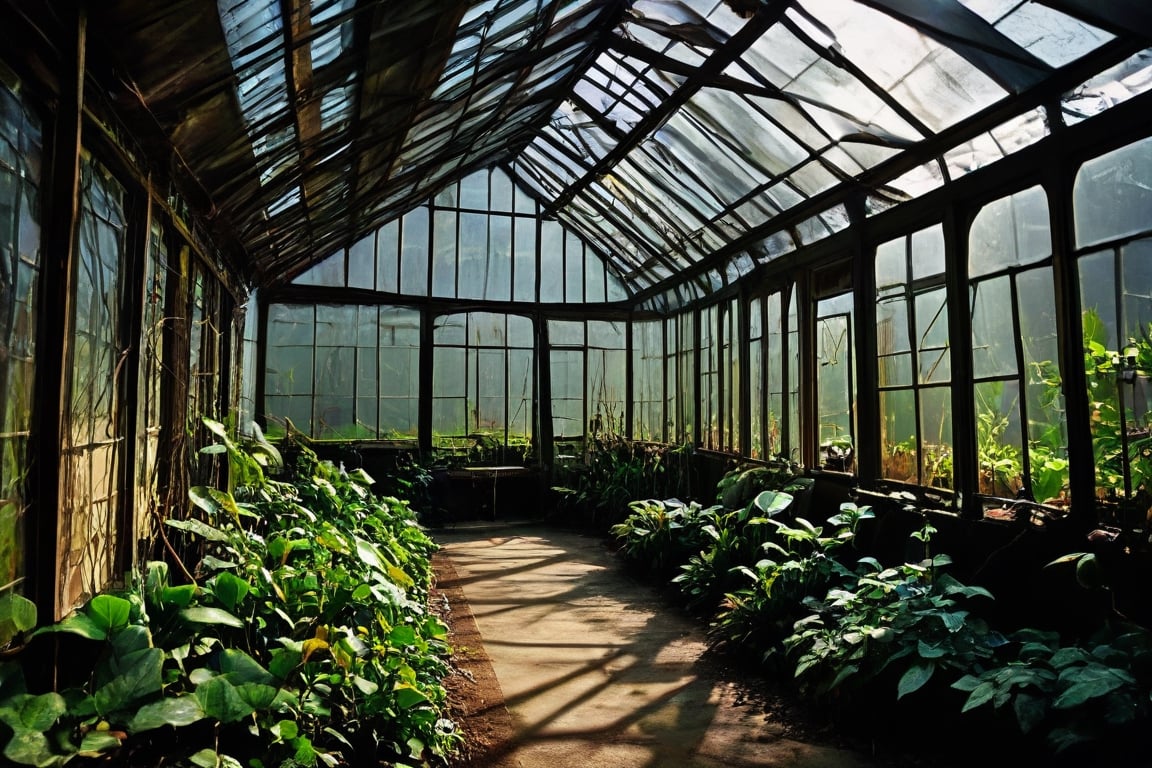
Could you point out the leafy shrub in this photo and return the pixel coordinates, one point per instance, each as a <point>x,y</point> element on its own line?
<point>801,561</point>
<point>302,638</point>
<point>911,618</point>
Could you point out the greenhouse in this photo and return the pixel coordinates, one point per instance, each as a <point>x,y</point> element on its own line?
<point>832,319</point>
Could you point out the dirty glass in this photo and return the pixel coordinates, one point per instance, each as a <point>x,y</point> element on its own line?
<point>20,155</point>
<point>710,361</point>
<point>93,441</point>
<point>148,398</point>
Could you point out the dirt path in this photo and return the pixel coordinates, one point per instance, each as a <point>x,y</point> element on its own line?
<point>567,663</point>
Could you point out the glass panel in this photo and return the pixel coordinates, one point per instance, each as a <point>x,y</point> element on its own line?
<point>362,263</point>
<point>498,268</point>
<point>898,436</point>
<point>1112,194</point>
<point>936,469</point>
<point>388,258</point>
<point>414,253</point>
<point>1012,231</point>
<point>444,254</point>
<point>993,329</point>
<point>567,370</point>
<point>524,266</point>
<point>998,438</point>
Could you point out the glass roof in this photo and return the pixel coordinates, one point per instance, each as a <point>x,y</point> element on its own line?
<point>687,141</point>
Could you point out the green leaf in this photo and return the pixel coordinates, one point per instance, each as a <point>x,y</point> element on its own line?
<point>772,503</point>
<point>17,614</point>
<point>217,564</point>
<point>131,639</point>
<point>203,614</point>
<point>109,612</point>
<point>95,743</point>
<point>915,678</point>
<point>402,635</point>
<point>76,624</point>
<point>229,589</point>
<point>257,695</point>
<point>181,596</point>
<point>1079,693</point>
<point>407,696</point>
<point>205,758</point>
<point>286,729</point>
<point>30,748</point>
<point>215,502</point>
<point>365,686</point>
<point>205,531</point>
<point>139,677</point>
<point>242,668</point>
<point>33,713</point>
<point>278,548</point>
<point>284,661</point>
<point>175,711</point>
<point>222,701</point>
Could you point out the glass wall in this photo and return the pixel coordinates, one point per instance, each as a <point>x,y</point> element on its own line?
<point>479,239</point>
<point>588,363</point>
<point>343,371</point>
<point>20,158</point>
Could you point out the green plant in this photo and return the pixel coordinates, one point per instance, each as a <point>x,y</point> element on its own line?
<point>733,539</point>
<point>300,637</point>
<point>658,535</point>
<point>802,561</point>
<point>1071,694</point>
<point>911,618</point>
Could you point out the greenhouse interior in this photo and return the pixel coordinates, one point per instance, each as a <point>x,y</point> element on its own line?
<point>289,286</point>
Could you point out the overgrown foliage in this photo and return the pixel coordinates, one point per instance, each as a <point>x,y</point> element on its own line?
<point>852,630</point>
<point>300,638</point>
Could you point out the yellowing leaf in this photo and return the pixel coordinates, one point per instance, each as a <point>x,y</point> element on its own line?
<point>311,646</point>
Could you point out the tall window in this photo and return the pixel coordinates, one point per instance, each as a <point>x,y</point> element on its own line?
<point>913,362</point>
<point>781,374</point>
<point>835,383</point>
<point>686,405</point>
<point>483,379</point>
<point>93,436</point>
<point>149,414</point>
<point>756,422</point>
<point>710,366</point>
<point>20,150</point>
<point>730,364</point>
<point>206,332</point>
<point>1111,202</point>
<point>648,380</point>
<point>607,345</point>
<point>1021,438</point>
